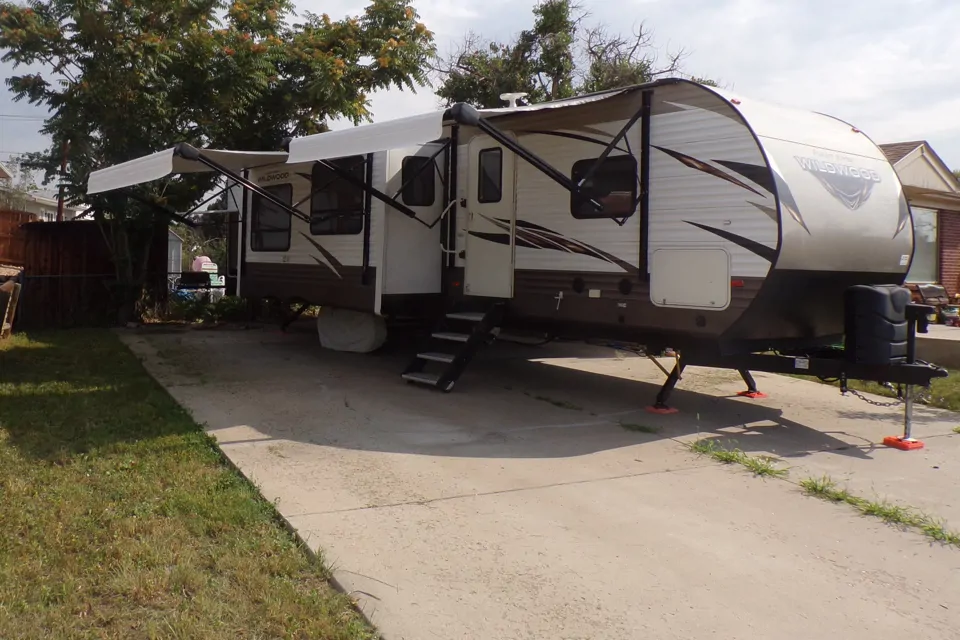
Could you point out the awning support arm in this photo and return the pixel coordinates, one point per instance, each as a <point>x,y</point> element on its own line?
<point>190,152</point>
<point>161,209</point>
<point>430,163</point>
<point>373,191</point>
<point>217,194</point>
<point>467,115</point>
<point>322,187</point>
<point>610,147</point>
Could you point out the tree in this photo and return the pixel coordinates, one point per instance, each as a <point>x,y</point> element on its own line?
<point>14,190</point>
<point>207,238</point>
<point>557,58</point>
<point>124,78</point>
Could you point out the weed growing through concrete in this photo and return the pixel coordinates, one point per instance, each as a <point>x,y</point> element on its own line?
<point>907,517</point>
<point>956,429</point>
<point>563,404</point>
<point>641,428</point>
<point>763,466</point>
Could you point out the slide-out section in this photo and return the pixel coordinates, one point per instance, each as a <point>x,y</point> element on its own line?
<point>412,256</point>
<point>713,214</point>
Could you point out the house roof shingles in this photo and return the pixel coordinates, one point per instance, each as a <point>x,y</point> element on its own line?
<point>897,151</point>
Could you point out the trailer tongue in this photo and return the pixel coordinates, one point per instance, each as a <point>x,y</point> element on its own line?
<point>881,326</point>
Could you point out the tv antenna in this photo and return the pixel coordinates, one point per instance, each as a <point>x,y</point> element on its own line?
<point>514,99</point>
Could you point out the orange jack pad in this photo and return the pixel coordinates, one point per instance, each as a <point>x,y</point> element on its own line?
<point>897,442</point>
<point>663,410</point>
<point>752,394</point>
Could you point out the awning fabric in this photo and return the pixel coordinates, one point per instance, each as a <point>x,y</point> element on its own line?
<point>409,131</point>
<point>368,138</point>
<point>559,104</point>
<point>167,162</point>
<point>360,140</point>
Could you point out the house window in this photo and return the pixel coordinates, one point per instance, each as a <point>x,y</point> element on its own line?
<point>613,185</point>
<point>490,163</point>
<point>926,254</point>
<point>419,181</point>
<point>269,224</point>
<point>336,206</point>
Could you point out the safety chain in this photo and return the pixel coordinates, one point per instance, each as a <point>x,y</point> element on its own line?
<point>875,403</point>
<point>920,398</point>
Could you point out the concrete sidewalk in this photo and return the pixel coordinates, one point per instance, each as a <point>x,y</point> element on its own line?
<point>519,507</point>
<point>813,428</point>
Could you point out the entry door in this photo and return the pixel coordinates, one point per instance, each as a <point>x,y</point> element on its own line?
<point>491,219</point>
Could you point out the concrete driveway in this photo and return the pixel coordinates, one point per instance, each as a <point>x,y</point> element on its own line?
<point>519,506</point>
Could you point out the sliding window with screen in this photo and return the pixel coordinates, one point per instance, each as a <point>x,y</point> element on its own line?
<point>269,224</point>
<point>337,206</point>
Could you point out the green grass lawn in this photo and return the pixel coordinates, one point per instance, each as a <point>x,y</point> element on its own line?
<point>119,518</point>
<point>944,392</point>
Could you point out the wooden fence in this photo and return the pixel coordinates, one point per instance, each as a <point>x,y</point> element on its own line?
<point>12,241</point>
<point>69,277</point>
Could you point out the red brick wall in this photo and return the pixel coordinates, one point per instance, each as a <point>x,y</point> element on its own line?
<point>948,232</point>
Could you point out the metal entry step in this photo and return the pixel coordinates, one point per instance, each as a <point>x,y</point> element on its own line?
<point>437,357</point>
<point>453,337</point>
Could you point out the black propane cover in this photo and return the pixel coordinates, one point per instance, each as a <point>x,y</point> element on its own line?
<point>875,324</point>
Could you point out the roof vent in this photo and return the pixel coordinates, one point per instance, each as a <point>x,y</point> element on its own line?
<point>514,99</point>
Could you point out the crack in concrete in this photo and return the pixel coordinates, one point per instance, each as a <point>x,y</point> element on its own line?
<point>407,503</point>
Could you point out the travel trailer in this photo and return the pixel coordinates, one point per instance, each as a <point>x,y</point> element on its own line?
<point>669,214</point>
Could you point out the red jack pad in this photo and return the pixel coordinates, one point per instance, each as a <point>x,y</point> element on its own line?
<point>897,442</point>
<point>752,394</point>
<point>662,410</point>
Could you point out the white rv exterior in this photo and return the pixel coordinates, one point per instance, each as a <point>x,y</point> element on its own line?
<point>721,219</point>
<point>347,250</point>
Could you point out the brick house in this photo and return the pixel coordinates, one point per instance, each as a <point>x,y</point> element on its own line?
<point>933,193</point>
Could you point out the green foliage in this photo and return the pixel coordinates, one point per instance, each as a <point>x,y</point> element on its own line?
<point>13,190</point>
<point>558,58</point>
<point>200,309</point>
<point>208,238</point>
<point>826,488</point>
<point>764,466</point>
<point>124,78</point>
<point>121,518</point>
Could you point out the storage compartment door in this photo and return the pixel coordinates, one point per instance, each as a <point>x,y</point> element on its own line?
<point>694,278</point>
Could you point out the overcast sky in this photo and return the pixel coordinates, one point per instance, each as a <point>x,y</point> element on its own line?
<point>891,67</point>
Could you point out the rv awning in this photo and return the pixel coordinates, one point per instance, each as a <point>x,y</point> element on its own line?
<point>413,130</point>
<point>560,104</point>
<point>368,138</point>
<point>169,161</point>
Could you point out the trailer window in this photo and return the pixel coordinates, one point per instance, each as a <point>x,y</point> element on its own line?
<point>269,224</point>
<point>613,184</point>
<point>926,253</point>
<point>490,188</point>
<point>418,178</point>
<point>337,206</point>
